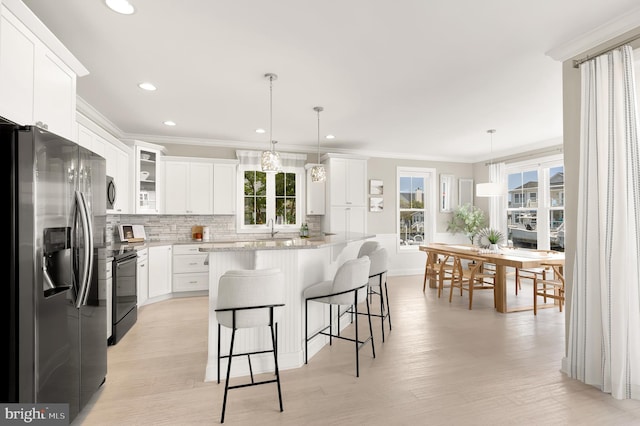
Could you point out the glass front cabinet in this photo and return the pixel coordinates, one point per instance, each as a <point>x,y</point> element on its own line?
<point>147,180</point>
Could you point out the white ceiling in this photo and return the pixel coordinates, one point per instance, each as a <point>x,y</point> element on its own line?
<point>397,78</point>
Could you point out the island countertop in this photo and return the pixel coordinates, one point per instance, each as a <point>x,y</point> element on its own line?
<point>283,243</point>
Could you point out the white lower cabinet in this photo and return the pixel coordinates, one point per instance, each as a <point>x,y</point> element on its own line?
<point>142,277</point>
<point>190,269</point>
<point>160,270</point>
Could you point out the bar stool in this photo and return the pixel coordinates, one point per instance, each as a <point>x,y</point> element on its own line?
<point>348,288</point>
<point>378,278</point>
<point>249,299</point>
<point>368,247</point>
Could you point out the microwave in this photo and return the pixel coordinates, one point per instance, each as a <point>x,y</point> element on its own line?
<point>111,193</point>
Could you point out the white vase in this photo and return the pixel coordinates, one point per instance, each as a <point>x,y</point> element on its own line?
<point>494,248</point>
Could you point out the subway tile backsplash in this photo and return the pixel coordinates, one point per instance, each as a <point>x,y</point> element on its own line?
<point>178,227</point>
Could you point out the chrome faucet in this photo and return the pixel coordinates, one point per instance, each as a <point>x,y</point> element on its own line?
<point>272,225</point>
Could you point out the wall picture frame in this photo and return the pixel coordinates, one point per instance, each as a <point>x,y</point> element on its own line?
<point>376,204</point>
<point>465,191</point>
<point>446,193</point>
<point>376,187</point>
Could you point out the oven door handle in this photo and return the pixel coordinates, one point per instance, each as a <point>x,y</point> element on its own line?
<point>111,193</point>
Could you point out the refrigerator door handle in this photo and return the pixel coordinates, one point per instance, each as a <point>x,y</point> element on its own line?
<point>87,266</point>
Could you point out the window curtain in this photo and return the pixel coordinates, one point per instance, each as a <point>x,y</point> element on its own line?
<point>498,205</point>
<point>603,347</point>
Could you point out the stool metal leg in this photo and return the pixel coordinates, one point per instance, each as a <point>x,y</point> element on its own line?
<point>226,385</point>
<point>355,304</point>
<point>386,292</point>
<point>306,331</point>
<point>219,328</point>
<point>373,348</point>
<point>274,341</point>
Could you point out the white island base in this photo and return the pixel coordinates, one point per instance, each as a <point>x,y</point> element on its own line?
<point>301,267</point>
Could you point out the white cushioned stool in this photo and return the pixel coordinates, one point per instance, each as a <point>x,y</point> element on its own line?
<point>349,287</point>
<point>249,299</point>
<point>378,283</point>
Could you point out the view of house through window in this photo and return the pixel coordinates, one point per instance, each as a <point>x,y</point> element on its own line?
<point>535,209</point>
<point>414,206</point>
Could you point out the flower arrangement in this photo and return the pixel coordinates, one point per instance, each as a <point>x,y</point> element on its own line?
<point>489,236</point>
<point>468,219</point>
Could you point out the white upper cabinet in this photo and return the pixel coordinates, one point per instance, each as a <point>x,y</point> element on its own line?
<point>315,195</point>
<point>117,159</point>
<point>17,52</point>
<point>346,196</point>
<point>54,95</point>
<point>148,189</point>
<point>37,82</point>
<point>224,187</point>
<point>347,181</point>
<point>188,187</point>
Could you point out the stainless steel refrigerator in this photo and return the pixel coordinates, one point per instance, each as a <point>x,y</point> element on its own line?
<point>54,328</point>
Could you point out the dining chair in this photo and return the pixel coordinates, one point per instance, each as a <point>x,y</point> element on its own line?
<point>532,273</point>
<point>349,287</point>
<point>549,287</point>
<point>472,278</point>
<point>438,267</point>
<point>249,299</point>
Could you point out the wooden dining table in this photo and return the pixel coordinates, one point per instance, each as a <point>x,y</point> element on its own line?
<point>507,257</point>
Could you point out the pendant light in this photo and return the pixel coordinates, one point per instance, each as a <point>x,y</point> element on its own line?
<point>270,160</point>
<point>489,189</point>
<point>318,173</point>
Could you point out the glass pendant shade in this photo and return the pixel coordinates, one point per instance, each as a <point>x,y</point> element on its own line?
<point>270,161</point>
<point>318,173</point>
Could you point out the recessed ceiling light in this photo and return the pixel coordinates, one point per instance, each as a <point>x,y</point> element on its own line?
<point>330,137</point>
<point>169,123</point>
<point>260,130</point>
<point>147,86</point>
<point>120,6</point>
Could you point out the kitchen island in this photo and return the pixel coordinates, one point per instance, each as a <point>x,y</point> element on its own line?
<point>304,261</point>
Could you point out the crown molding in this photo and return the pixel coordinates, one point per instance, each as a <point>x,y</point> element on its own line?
<point>84,108</point>
<point>599,35</point>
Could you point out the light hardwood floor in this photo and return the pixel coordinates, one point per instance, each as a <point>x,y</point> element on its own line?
<point>441,365</point>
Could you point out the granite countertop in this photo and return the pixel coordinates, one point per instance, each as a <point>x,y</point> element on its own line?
<point>283,243</point>
<point>251,243</point>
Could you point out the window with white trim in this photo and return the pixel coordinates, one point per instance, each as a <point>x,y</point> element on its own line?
<point>266,197</point>
<point>416,207</point>
<point>535,204</point>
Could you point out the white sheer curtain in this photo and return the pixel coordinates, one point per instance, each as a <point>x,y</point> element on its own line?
<point>498,205</point>
<point>604,325</point>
